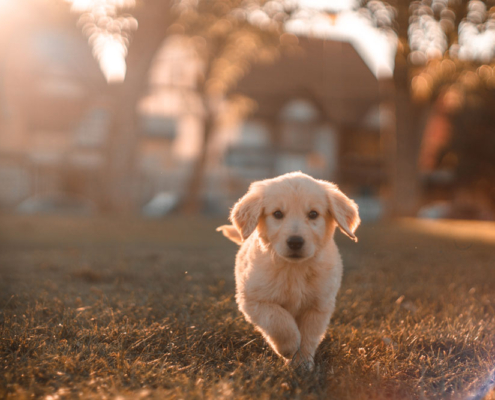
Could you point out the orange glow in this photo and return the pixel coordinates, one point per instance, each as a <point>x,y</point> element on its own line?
<point>480,231</point>
<point>109,43</point>
<point>7,5</point>
<point>111,57</point>
<point>88,5</point>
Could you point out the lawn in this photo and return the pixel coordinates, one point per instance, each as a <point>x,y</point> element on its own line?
<point>145,309</point>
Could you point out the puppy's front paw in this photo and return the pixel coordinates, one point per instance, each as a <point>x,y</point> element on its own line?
<point>301,362</point>
<point>287,349</point>
<point>284,340</point>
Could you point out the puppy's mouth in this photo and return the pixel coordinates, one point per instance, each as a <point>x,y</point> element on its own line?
<point>295,257</point>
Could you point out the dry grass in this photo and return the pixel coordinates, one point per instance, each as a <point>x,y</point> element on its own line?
<point>139,309</point>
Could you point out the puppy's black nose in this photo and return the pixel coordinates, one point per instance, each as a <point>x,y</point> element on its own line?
<point>295,242</point>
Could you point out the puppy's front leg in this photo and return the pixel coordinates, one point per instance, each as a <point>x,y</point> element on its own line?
<point>277,326</point>
<point>312,325</point>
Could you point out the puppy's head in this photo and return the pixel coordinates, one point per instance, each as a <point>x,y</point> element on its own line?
<point>294,214</point>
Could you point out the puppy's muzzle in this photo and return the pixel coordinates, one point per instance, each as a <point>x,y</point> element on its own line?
<point>295,242</point>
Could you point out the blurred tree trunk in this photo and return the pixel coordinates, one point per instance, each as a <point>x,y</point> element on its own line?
<point>411,116</point>
<point>121,173</point>
<point>410,122</point>
<point>192,200</point>
<point>120,168</point>
<point>404,149</point>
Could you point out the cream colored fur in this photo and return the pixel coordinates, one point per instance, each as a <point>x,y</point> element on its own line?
<point>231,233</point>
<point>290,300</point>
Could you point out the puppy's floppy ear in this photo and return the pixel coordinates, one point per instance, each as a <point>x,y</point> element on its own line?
<point>343,209</point>
<point>247,211</point>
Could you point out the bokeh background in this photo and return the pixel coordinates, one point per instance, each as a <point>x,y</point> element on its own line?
<point>129,128</point>
<point>157,107</point>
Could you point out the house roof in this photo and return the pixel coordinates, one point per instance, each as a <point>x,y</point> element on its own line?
<point>329,73</point>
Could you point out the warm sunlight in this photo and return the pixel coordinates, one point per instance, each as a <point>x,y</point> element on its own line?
<point>376,47</point>
<point>111,56</point>
<point>88,5</point>
<point>5,5</point>
<point>329,5</point>
<point>247,199</point>
<point>107,33</point>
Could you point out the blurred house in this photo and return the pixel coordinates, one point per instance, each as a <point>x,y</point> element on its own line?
<point>321,112</point>
<point>317,111</point>
<point>54,117</point>
<point>170,122</point>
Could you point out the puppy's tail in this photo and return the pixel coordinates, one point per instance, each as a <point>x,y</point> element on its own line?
<point>231,233</point>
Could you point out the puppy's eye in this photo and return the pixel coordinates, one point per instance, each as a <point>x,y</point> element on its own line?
<point>278,214</point>
<point>313,215</point>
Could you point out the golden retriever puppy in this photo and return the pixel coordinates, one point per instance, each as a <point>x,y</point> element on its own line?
<point>288,270</point>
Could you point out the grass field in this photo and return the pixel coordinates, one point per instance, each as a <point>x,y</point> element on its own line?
<point>134,309</point>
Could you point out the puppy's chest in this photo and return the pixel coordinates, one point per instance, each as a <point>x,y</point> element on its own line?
<point>295,290</point>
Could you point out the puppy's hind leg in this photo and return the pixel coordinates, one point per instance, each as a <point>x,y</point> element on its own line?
<point>277,326</point>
